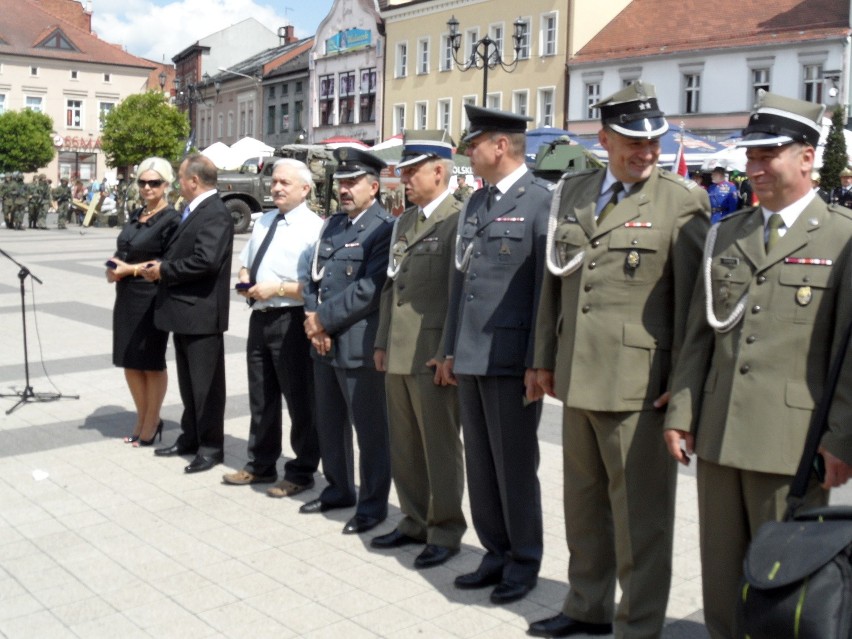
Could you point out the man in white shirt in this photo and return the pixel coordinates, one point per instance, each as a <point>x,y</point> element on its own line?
<point>276,265</point>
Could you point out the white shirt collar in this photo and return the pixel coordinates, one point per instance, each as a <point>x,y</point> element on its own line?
<point>790,213</point>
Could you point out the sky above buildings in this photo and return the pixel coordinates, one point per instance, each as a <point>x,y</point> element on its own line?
<point>159,29</point>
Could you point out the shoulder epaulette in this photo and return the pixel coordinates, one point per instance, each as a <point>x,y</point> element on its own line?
<point>839,209</point>
<point>738,213</point>
<point>678,179</point>
<point>570,174</point>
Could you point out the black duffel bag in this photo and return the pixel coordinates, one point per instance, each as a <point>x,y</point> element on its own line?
<point>797,573</point>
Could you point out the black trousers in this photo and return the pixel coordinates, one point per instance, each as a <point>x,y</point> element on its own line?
<point>279,363</point>
<point>200,363</point>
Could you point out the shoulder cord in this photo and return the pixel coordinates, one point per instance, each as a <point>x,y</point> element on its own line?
<point>720,326</point>
<point>393,269</point>
<point>317,274</point>
<point>552,258</point>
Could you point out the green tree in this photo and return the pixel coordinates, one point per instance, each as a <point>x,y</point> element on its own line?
<point>26,143</point>
<point>143,125</point>
<point>834,156</point>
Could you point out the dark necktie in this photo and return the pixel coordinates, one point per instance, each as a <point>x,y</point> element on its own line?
<point>774,224</point>
<point>492,197</point>
<point>616,188</point>
<point>185,215</point>
<point>258,258</point>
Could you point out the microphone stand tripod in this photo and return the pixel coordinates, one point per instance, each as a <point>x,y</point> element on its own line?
<point>28,395</point>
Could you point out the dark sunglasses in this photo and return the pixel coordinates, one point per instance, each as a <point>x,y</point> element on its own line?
<point>154,184</point>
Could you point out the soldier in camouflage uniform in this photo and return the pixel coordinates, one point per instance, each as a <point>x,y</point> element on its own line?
<point>463,189</point>
<point>6,198</point>
<point>20,197</point>
<point>62,196</point>
<point>131,195</point>
<point>39,197</point>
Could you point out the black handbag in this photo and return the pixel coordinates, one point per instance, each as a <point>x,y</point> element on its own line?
<point>797,573</point>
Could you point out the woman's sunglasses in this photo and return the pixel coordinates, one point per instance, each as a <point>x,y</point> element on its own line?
<point>154,184</point>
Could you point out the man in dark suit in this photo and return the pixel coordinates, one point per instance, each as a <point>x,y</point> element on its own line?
<point>499,261</point>
<point>192,303</point>
<point>622,258</point>
<point>426,451</point>
<point>348,271</point>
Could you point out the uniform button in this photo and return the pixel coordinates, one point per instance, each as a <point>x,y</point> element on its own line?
<point>596,244</point>
<point>470,297</point>
<point>592,265</point>
<point>479,233</point>
<point>586,308</point>
<point>506,232</point>
<point>745,368</point>
<point>477,254</point>
<point>399,303</point>
<point>402,287</point>
<point>472,276</point>
<point>405,269</point>
<point>761,279</point>
<point>634,242</point>
<point>727,276</point>
<point>587,288</point>
<point>750,339</point>
<point>806,279</point>
<point>755,309</point>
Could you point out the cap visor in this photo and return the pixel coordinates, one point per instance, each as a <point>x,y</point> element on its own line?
<point>647,128</point>
<point>764,139</point>
<point>473,134</point>
<point>411,159</point>
<point>345,175</point>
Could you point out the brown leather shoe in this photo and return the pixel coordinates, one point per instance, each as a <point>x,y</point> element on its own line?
<point>286,488</point>
<point>244,477</point>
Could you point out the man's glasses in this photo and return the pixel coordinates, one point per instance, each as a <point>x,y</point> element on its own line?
<point>154,184</point>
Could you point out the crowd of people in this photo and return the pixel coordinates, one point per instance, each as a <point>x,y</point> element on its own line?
<point>663,337</point>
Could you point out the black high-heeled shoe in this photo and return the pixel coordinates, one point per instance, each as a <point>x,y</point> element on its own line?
<point>149,442</point>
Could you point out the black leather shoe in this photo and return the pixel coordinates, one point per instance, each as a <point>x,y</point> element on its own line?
<point>564,626</point>
<point>477,579</point>
<point>433,555</point>
<point>314,506</point>
<point>202,463</point>
<point>509,591</point>
<point>174,449</point>
<point>359,524</point>
<point>393,539</point>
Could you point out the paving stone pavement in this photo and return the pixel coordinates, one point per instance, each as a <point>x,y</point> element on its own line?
<point>99,539</point>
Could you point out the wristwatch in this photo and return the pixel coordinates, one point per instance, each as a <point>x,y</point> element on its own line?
<point>281,289</point>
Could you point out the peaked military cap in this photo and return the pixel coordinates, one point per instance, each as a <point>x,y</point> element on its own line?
<point>847,172</point>
<point>352,163</point>
<point>422,145</point>
<point>483,120</point>
<point>778,120</point>
<point>634,112</point>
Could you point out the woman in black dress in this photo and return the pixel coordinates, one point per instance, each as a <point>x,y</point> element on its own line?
<point>137,345</point>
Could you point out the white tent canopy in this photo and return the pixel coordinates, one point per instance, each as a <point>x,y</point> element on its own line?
<point>222,156</point>
<point>249,147</point>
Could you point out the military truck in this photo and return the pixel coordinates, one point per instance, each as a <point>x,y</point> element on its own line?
<point>559,157</point>
<point>246,192</point>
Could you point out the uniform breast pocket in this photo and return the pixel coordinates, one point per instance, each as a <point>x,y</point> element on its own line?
<point>729,279</point>
<point>642,253</point>
<point>506,242</point>
<point>430,253</point>
<point>568,240</point>
<point>351,259</point>
<point>802,291</point>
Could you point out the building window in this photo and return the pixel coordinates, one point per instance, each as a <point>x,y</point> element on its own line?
<point>347,98</point>
<point>2,104</point>
<point>33,103</point>
<point>250,120</point>
<point>299,86</point>
<point>270,119</point>
<point>242,120</point>
<point>812,83</point>
<point>74,74</point>
<point>691,92</point>
<point>495,32</point>
<point>104,109</point>
<point>759,80</point>
<point>446,53</point>
<point>545,107</point>
<point>230,124</point>
<point>285,89</point>
<point>401,59</point>
<point>298,109</point>
<point>367,112</point>
<point>34,71</point>
<point>423,56</point>
<point>524,32</point>
<point>494,101</point>
<point>272,92</point>
<point>220,125</point>
<point>471,38</point>
<point>107,77</point>
<point>398,118</point>
<point>285,118</point>
<point>444,111</point>
<point>593,96</point>
<point>420,115</point>
<point>520,102</point>
<point>468,99</point>
<point>326,100</point>
<point>548,34</point>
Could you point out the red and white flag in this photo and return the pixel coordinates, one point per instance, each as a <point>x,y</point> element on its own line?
<point>679,164</point>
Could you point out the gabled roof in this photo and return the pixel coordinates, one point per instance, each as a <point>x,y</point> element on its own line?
<point>268,59</point>
<point>25,28</point>
<point>656,27</point>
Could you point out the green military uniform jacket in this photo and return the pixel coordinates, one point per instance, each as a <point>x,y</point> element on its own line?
<point>414,301</point>
<point>611,329</point>
<point>748,393</point>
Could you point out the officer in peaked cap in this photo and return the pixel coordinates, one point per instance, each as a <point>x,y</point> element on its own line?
<point>423,413</point>
<point>622,260</point>
<point>498,258</point>
<point>348,270</point>
<point>353,163</point>
<point>843,194</point>
<point>776,293</point>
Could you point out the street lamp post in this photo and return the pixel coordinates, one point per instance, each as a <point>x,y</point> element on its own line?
<point>485,52</point>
